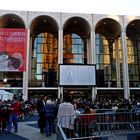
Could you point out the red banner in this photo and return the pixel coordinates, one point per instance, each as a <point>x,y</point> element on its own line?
<point>13,49</point>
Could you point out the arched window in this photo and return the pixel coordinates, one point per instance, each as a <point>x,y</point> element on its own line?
<point>107,59</point>
<point>108,53</point>
<point>133,52</point>
<point>74,51</point>
<point>45,58</point>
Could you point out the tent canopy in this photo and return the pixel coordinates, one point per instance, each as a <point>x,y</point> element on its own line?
<point>4,95</point>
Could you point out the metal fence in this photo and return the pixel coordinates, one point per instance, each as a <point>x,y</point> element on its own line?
<point>101,124</point>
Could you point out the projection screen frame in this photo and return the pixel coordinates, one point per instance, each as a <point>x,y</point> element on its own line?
<point>61,83</point>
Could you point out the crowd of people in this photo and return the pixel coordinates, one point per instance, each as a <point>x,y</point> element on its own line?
<point>51,111</point>
<point>55,111</point>
<point>12,111</point>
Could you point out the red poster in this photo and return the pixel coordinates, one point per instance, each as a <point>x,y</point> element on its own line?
<point>13,49</point>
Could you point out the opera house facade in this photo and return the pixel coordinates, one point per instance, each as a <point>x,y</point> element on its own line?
<point>41,51</point>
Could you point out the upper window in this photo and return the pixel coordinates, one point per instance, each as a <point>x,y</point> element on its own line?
<point>74,50</point>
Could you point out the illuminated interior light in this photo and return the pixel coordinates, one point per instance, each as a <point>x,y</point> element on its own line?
<point>5,80</point>
<point>132,24</point>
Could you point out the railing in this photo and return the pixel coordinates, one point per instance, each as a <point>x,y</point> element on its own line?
<point>108,123</point>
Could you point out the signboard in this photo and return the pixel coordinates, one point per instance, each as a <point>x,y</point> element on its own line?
<point>77,75</point>
<point>13,49</point>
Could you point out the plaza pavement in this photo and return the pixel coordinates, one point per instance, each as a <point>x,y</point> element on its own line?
<point>28,130</point>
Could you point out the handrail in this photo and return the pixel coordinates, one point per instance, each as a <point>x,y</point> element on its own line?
<point>61,132</point>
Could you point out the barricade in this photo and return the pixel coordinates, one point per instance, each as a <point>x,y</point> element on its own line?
<point>107,123</point>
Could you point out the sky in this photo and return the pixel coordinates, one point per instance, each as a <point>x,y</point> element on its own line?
<point>112,7</point>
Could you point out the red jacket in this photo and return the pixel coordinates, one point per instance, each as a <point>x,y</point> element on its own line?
<point>15,108</point>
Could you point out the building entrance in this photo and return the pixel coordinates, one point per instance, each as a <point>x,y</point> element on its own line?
<point>110,94</point>
<point>53,94</point>
<point>84,93</point>
<point>135,94</point>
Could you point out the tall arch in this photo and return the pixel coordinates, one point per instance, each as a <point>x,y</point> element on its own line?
<point>8,78</point>
<point>11,21</point>
<point>133,52</point>
<point>77,49</point>
<point>108,53</point>
<point>44,52</point>
<point>76,32</point>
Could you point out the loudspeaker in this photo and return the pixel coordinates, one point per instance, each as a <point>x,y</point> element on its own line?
<point>50,78</point>
<point>100,78</point>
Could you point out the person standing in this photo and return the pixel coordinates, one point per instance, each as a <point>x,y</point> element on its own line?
<point>14,113</point>
<point>41,121</point>
<point>49,110</point>
<point>65,116</point>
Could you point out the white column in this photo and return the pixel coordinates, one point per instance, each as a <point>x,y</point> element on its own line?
<point>88,51</point>
<point>25,73</point>
<point>60,46</point>
<point>94,93</point>
<point>125,66</point>
<point>93,47</point>
<point>60,93</point>
<point>60,58</point>
<point>117,64</point>
<point>93,59</point>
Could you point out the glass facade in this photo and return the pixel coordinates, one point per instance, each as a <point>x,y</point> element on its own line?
<point>108,63</point>
<point>44,61</point>
<point>133,54</point>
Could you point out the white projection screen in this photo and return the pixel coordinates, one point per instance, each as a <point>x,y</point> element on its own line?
<point>77,75</point>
